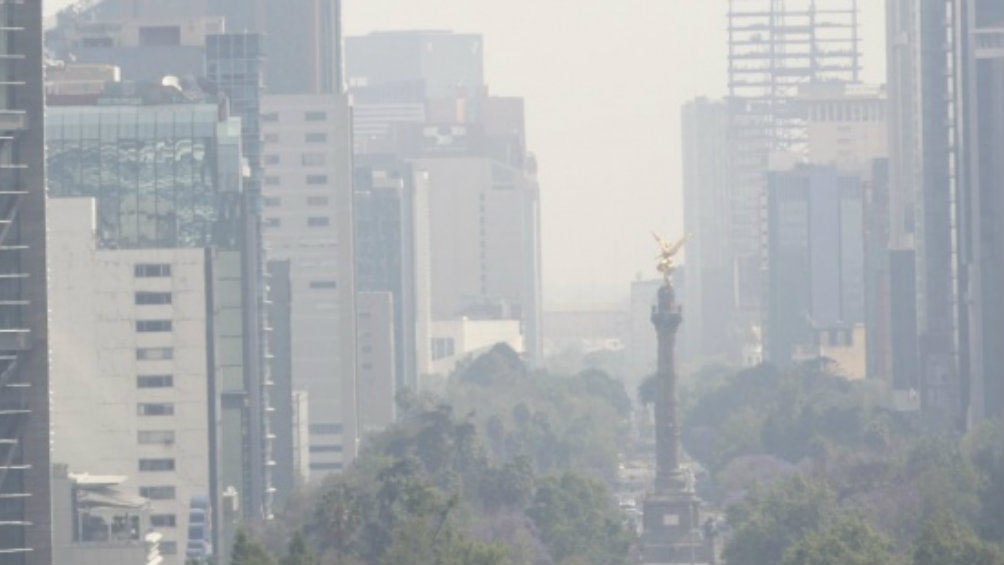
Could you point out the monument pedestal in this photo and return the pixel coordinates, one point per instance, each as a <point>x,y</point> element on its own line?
<point>672,530</point>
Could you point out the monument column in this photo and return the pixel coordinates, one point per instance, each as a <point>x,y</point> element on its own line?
<point>671,522</point>
<point>666,318</point>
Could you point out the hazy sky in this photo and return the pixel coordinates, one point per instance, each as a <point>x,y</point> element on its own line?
<point>604,82</point>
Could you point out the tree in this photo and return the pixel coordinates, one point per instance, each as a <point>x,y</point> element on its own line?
<point>248,552</point>
<point>298,553</point>
<point>577,518</point>
<point>946,541</point>
<point>768,522</point>
<point>849,541</point>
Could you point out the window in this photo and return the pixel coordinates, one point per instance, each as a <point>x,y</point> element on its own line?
<point>325,429</point>
<point>272,181</point>
<point>271,138</point>
<point>312,159</point>
<point>158,493</point>
<point>318,221</point>
<point>442,347</point>
<point>272,201</point>
<point>323,284</point>
<point>367,366</point>
<point>317,201</point>
<point>367,349</point>
<point>155,381</point>
<point>325,466</point>
<point>155,437</point>
<point>154,353</point>
<point>325,449</point>
<point>168,547</point>
<point>156,465</point>
<point>317,179</point>
<point>316,138</point>
<point>315,116</point>
<point>155,409</point>
<point>144,298</point>
<point>163,521</point>
<point>272,222</point>
<point>271,159</point>
<point>155,270</point>
<point>147,326</point>
<point>270,117</point>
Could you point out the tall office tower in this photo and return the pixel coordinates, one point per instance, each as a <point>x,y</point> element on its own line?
<point>116,151</point>
<point>447,65</point>
<point>979,104</point>
<point>129,331</point>
<point>234,65</point>
<point>25,517</point>
<point>816,263</point>
<point>422,98</point>
<point>394,76</point>
<point>776,47</point>
<point>375,354</point>
<point>706,212</point>
<point>920,194</point>
<point>152,38</point>
<point>392,253</point>
<point>309,222</point>
<point>147,40</point>
<point>303,39</point>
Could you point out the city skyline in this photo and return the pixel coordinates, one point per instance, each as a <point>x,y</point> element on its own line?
<point>636,105</point>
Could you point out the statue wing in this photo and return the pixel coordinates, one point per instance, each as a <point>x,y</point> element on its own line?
<point>679,244</point>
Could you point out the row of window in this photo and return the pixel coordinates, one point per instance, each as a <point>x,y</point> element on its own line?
<point>312,222</point>
<point>154,353</point>
<point>272,201</point>
<point>310,116</point>
<point>155,381</point>
<point>271,180</point>
<point>158,492</point>
<point>156,465</point>
<point>155,409</point>
<point>152,298</point>
<point>149,326</point>
<point>152,270</point>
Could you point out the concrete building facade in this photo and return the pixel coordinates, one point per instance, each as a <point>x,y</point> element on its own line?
<point>710,300</point>
<point>816,258</point>
<point>308,221</point>
<point>128,335</point>
<point>979,107</point>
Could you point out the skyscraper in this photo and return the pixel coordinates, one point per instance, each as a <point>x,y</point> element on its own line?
<point>706,203</point>
<point>775,49</point>
<point>979,106</point>
<point>117,151</point>
<point>816,258</point>
<point>25,515</point>
<point>308,220</point>
<point>920,193</point>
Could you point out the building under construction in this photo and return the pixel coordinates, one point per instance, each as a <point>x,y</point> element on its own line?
<point>775,48</point>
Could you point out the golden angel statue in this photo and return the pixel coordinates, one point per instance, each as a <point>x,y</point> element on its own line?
<point>666,254</point>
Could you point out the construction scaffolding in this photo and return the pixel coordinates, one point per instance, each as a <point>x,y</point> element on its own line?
<point>775,48</point>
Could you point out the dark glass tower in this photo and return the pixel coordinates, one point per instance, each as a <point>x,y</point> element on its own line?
<point>25,516</point>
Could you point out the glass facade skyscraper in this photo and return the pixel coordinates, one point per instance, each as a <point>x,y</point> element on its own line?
<point>160,174</point>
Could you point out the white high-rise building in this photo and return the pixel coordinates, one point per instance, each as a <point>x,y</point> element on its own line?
<point>128,354</point>
<point>307,196</point>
